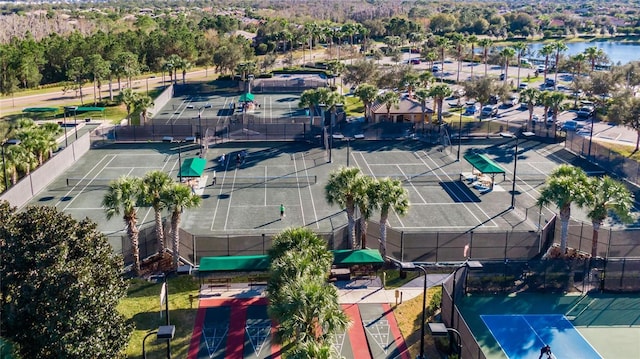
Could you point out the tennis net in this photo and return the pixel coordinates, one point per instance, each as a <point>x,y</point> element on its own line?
<point>426,178</point>
<point>89,182</point>
<point>272,181</point>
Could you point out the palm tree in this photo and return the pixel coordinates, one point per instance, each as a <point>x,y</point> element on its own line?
<point>367,94</point>
<point>443,44</point>
<point>486,44</point>
<point>559,47</point>
<point>300,299</point>
<point>123,195</point>
<point>605,196</point>
<point>154,183</point>
<point>507,54</point>
<point>593,54</point>
<point>309,99</point>
<point>543,99</point>
<point>530,96</point>
<point>178,197</point>
<point>458,41</point>
<point>366,204</point>
<point>521,50</point>
<point>565,185</point>
<point>142,103</point>
<point>389,99</point>
<point>341,190</point>
<point>472,40</point>
<point>439,93</point>
<point>423,94</point>
<point>554,101</point>
<point>128,97</point>
<point>389,195</point>
<point>409,81</point>
<point>546,51</point>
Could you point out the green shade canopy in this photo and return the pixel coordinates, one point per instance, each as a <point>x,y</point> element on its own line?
<point>247,97</point>
<point>192,167</point>
<point>234,263</point>
<point>483,163</point>
<point>261,262</point>
<point>40,109</point>
<point>89,109</point>
<point>361,256</point>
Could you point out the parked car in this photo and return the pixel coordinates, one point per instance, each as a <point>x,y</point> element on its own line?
<point>511,101</point>
<point>489,111</point>
<point>415,61</point>
<point>471,110</point>
<point>550,83</point>
<point>540,68</point>
<point>501,77</point>
<point>436,68</point>
<point>570,125</point>
<point>523,86</point>
<point>585,112</point>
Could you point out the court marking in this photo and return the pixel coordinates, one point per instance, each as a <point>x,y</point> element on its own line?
<point>313,204</point>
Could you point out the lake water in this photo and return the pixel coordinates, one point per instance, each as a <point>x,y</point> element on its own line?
<point>618,52</point>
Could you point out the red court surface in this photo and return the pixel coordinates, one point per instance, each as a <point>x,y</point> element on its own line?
<point>235,328</point>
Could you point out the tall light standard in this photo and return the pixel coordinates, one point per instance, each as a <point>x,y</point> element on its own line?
<point>180,142</point>
<point>75,118</point>
<point>348,149</point>
<point>4,163</point>
<point>515,162</point>
<point>200,110</point>
<point>459,136</point>
<point>471,265</point>
<point>409,266</point>
<point>441,330</point>
<point>164,332</point>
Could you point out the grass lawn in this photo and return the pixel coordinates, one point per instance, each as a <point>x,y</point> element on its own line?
<point>142,307</point>
<point>624,150</point>
<point>353,106</point>
<point>408,315</point>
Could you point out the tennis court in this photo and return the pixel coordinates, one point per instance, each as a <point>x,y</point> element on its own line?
<point>216,108</point>
<point>522,336</point>
<point>596,325</point>
<point>246,195</point>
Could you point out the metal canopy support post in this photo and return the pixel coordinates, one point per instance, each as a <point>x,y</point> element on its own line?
<point>409,266</point>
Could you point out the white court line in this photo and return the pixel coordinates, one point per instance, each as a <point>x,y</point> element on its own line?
<point>233,186</point>
<point>173,114</point>
<point>85,209</point>
<point>306,171</point>
<point>224,176</point>
<point>449,177</point>
<point>85,176</point>
<point>412,186</point>
<point>295,168</point>
<point>265,186</point>
<point>151,167</point>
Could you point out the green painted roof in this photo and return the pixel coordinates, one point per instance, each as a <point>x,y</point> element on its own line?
<point>234,263</point>
<point>246,97</point>
<point>361,256</point>
<point>192,167</point>
<point>88,109</point>
<point>483,163</point>
<point>261,262</point>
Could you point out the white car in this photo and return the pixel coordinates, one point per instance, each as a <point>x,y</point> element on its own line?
<point>540,68</point>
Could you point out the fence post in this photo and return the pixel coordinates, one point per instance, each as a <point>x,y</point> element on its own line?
<point>263,238</point>
<point>581,231</point>
<point>624,262</point>
<point>470,245</point>
<point>506,240</point>
<point>402,246</point>
<point>437,244</point>
<point>195,252</point>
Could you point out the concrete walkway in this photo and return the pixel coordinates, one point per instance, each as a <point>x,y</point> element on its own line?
<point>355,291</point>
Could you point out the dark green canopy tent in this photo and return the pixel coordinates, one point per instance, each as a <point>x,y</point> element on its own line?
<point>40,109</point>
<point>361,256</point>
<point>483,163</point>
<point>192,167</point>
<point>246,97</point>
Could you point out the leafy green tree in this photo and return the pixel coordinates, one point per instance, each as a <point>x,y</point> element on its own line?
<point>8,73</point>
<point>388,195</point>
<point>126,64</point>
<point>439,93</point>
<point>565,185</point>
<point>480,89</point>
<point>178,197</point>
<point>155,183</point>
<point>123,196</point>
<point>99,70</point>
<point>77,73</point>
<point>341,189</point>
<point>625,109</point>
<point>606,196</point>
<point>361,71</point>
<point>61,286</point>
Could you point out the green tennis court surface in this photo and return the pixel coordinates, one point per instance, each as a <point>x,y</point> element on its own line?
<point>522,336</point>
<point>610,323</point>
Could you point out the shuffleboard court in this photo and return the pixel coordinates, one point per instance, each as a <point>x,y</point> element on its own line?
<point>522,336</point>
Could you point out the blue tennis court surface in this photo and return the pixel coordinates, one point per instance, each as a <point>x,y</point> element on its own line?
<point>522,336</point>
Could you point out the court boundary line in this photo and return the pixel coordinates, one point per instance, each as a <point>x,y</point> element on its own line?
<point>97,165</point>
<point>313,204</point>
<point>295,167</point>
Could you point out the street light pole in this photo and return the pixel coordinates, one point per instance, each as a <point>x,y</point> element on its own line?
<point>180,161</point>
<point>348,150</point>
<point>410,266</point>
<point>459,137</point>
<point>515,167</point>
<point>144,352</point>
<point>471,265</point>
